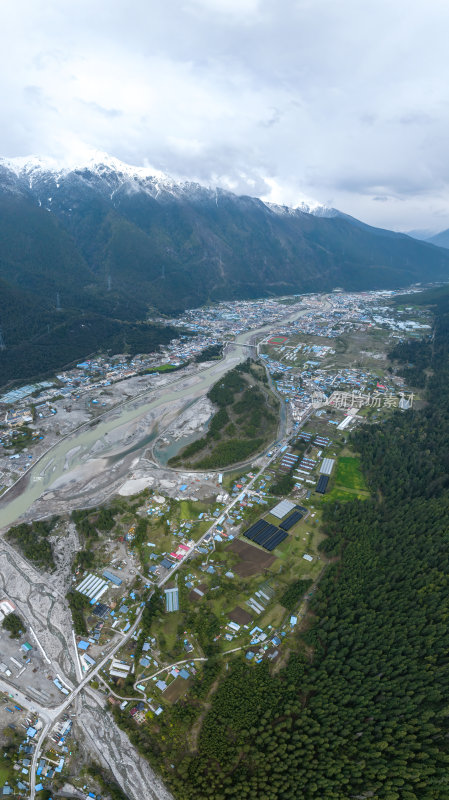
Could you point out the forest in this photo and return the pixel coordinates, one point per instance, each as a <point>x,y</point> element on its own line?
<point>364,712</point>
<point>63,339</point>
<point>32,540</point>
<point>245,420</point>
<point>14,624</point>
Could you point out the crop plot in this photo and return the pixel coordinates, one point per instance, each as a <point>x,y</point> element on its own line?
<point>252,560</point>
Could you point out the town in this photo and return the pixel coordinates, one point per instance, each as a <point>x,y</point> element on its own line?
<point>179,570</point>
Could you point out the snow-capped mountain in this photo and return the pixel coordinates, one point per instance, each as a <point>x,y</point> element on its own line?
<point>119,240</point>
<point>316,210</point>
<point>44,177</point>
<point>172,243</point>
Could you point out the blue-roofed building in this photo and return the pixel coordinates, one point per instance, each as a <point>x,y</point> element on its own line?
<point>111,577</point>
<point>184,674</point>
<point>83,645</point>
<point>166,563</point>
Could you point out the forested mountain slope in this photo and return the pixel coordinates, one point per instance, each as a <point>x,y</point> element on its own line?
<point>115,241</point>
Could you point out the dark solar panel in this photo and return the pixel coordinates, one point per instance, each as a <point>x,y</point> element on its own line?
<point>263,537</point>
<point>276,540</point>
<point>255,529</point>
<point>291,520</point>
<point>322,484</point>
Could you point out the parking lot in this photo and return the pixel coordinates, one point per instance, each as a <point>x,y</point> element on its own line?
<point>28,670</point>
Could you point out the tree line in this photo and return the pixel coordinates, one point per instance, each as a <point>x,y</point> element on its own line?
<point>365,715</point>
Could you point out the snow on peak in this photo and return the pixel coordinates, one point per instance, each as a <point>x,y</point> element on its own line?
<point>313,208</point>
<point>93,160</point>
<point>113,175</point>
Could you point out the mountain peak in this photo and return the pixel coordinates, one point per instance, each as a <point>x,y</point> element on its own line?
<point>313,208</point>
<point>93,160</point>
<point>34,170</point>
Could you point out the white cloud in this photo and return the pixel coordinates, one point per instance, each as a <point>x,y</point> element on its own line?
<point>343,102</point>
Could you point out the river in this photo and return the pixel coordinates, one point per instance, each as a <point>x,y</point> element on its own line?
<point>73,449</point>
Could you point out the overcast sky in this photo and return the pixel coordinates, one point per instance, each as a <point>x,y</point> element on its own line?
<point>345,102</point>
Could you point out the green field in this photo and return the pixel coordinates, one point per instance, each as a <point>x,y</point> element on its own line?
<point>349,475</point>
<point>348,483</point>
<point>5,774</point>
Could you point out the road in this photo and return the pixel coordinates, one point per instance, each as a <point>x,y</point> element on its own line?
<point>53,715</point>
<point>84,440</point>
<point>50,716</point>
<point>225,511</point>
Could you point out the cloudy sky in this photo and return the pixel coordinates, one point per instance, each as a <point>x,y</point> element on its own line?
<point>345,102</point>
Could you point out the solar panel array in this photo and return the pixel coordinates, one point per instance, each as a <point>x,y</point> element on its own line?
<point>322,484</point>
<point>275,540</point>
<point>291,520</point>
<point>255,529</point>
<point>264,534</point>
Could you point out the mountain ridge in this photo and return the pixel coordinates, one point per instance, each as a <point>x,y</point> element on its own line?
<point>116,241</point>
<point>440,239</point>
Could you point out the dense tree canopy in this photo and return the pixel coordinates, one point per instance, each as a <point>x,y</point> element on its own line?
<point>14,624</point>
<point>367,715</point>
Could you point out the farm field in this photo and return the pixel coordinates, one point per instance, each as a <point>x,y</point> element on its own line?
<point>251,559</point>
<point>349,474</point>
<point>348,483</point>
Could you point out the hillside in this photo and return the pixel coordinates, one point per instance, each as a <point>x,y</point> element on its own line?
<point>440,239</point>
<point>112,240</point>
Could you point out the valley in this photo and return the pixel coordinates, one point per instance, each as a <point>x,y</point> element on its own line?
<point>117,249</point>
<point>156,532</point>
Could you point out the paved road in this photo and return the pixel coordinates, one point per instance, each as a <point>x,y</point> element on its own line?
<point>53,714</point>
<point>50,716</point>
